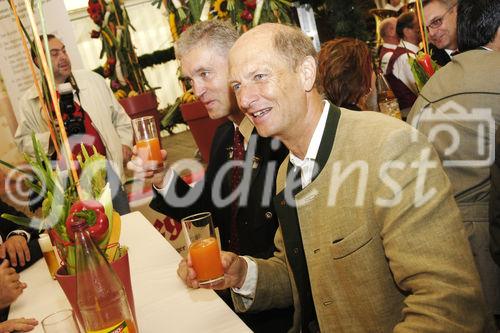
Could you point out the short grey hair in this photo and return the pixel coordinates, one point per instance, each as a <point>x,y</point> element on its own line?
<point>214,33</point>
<point>293,45</point>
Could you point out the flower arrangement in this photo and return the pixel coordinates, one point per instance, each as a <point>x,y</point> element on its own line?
<point>61,188</point>
<point>244,14</point>
<point>61,202</point>
<point>121,65</point>
<point>422,66</point>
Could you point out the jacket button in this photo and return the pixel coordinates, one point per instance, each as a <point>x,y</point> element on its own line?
<point>269,215</point>
<point>282,202</point>
<point>296,250</point>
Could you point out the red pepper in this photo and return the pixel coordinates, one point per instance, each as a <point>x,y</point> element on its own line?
<point>93,212</point>
<point>425,62</point>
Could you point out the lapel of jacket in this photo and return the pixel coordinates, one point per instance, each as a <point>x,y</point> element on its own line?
<point>222,146</point>
<point>255,154</point>
<point>256,147</point>
<point>258,154</point>
<point>289,221</point>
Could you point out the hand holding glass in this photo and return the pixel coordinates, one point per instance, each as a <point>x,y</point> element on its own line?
<point>203,248</point>
<point>147,141</point>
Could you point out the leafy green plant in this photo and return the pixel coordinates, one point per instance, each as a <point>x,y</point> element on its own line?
<point>122,65</point>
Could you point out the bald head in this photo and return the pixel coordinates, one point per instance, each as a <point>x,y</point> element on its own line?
<point>290,42</point>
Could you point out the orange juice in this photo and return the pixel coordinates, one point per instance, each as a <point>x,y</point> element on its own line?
<point>205,256</point>
<point>149,150</point>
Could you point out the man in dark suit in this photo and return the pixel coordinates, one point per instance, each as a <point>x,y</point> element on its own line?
<point>440,56</point>
<point>17,244</point>
<point>18,248</point>
<point>242,210</point>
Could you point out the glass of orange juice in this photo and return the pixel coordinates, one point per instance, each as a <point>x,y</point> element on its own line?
<point>203,248</point>
<point>147,141</point>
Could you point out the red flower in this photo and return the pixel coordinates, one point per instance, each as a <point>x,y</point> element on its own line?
<point>95,34</point>
<point>246,15</point>
<point>94,9</point>
<point>95,12</point>
<point>250,4</point>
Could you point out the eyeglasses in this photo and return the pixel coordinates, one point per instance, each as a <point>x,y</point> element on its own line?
<point>438,21</point>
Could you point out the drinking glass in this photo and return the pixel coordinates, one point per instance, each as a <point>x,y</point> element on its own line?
<point>147,141</point>
<point>203,247</point>
<point>49,254</point>
<point>61,321</point>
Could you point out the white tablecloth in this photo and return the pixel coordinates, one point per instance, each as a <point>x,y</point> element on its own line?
<point>162,302</point>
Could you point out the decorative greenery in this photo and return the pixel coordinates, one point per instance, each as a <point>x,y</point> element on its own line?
<point>149,59</point>
<point>58,192</point>
<point>244,14</point>
<point>122,65</point>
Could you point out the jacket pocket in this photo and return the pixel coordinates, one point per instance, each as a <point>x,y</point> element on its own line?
<point>351,243</point>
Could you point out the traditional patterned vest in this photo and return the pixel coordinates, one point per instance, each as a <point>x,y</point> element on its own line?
<point>405,96</point>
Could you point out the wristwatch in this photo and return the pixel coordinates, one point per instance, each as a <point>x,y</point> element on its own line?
<point>19,233</point>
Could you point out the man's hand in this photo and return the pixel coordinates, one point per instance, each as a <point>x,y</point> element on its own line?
<point>127,153</point>
<point>18,325</point>
<point>235,271</point>
<point>10,286</point>
<point>16,247</point>
<point>148,170</point>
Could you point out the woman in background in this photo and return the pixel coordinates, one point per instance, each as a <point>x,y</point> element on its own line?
<point>345,73</point>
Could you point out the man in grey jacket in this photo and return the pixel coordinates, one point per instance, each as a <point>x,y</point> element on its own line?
<point>458,109</point>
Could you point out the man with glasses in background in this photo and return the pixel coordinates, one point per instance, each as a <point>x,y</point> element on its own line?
<point>441,23</point>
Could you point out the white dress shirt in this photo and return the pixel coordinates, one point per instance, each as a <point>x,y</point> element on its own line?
<point>307,166</point>
<point>402,69</point>
<point>13,232</point>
